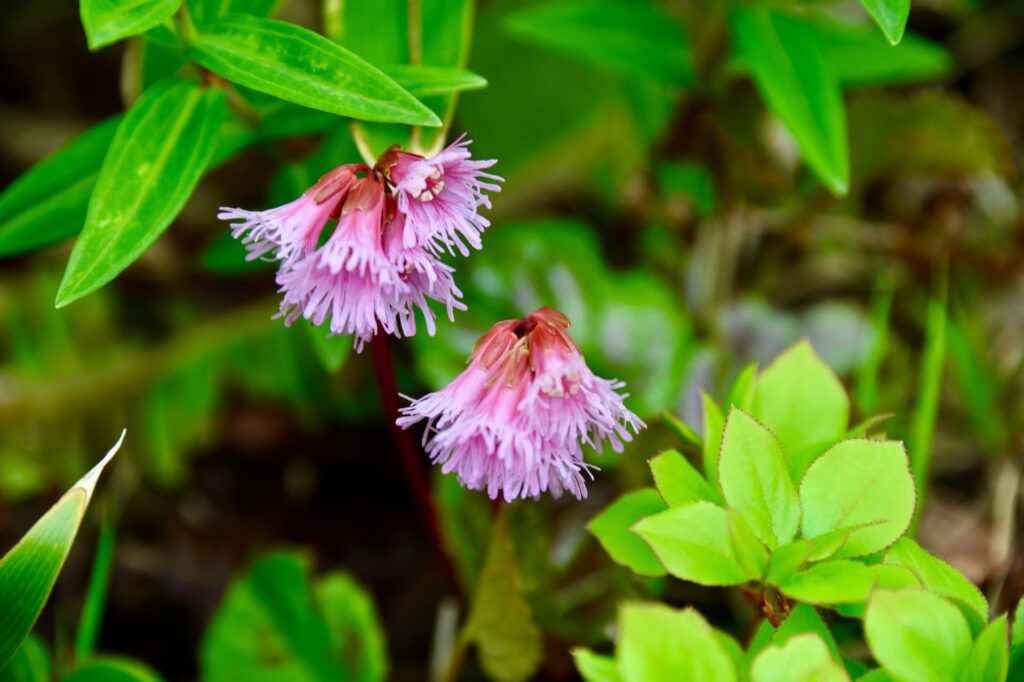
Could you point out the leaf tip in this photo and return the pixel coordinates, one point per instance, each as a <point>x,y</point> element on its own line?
<point>88,482</point>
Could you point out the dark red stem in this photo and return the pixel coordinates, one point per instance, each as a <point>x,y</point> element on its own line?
<point>410,455</point>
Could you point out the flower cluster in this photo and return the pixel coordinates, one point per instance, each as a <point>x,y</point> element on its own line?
<point>516,419</point>
<point>382,260</point>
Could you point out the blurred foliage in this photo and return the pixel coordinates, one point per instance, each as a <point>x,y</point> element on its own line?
<point>692,205</point>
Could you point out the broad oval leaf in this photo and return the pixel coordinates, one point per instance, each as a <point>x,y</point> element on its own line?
<point>797,82</point>
<point>804,658</point>
<point>916,636</point>
<point>755,479</point>
<point>939,577</point>
<point>28,571</point>
<point>859,482</point>
<point>891,16</point>
<point>594,667</point>
<point>830,582</point>
<point>659,643</point>
<point>612,528</point>
<point>801,400</point>
<point>48,202</point>
<point>693,543</point>
<point>108,21</point>
<point>157,156</point>
<point>302,67</point>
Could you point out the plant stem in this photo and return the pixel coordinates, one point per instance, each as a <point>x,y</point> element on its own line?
<point>409,455</point>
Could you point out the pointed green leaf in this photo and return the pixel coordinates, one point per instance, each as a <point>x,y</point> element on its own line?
<point>31,663</point>
<point>678,482</point>
<point>681,429</point>
<point>916,636</point>
<point>891,16</point>
<point>755,479</point>
<point>111,669</point>
<point>48,202</point>
<point>28,571</point>
<point>659,643</point>
<point>500,622</point>
<point>798,84</point>
<point>612,529</point>
<point>804,619</point>
<point>859,482</point>
<point>714,422</point>
<point>423,81</point>
<point>108,21</point>
<point>989,658</point>
<point>154,162</point>
<point>830,582</point>
<point>788,559</point>
<point>302,67</point>
<point>804,658</point>
<point>939,577</point>
<point>692,542</point>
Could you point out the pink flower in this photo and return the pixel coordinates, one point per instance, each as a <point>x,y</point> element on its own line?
<point>515,420</point>
<point>440,196</point>
<point>291,231</point>
<point>358,284</point>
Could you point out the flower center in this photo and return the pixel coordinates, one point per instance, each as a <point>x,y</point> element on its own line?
<point>434,185</point>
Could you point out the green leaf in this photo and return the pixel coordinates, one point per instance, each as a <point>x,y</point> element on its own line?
<point>157,156</point>
<point>110,669</point>
<point>595,668</point>
<point>95,597</point>
<point>445,32</point>
<point>825,546</point>
<point>939,577</point>
<point>108,21</point>
<point>830,582</point>
<point>796,80</point>
<point>500,622</point>
<point>750,552</point>
<point>678,482</point>
<point>1017,631</point>
<point>48,202</point>
<point>357,636</point>
<point>659,643</point>
<point>714,423</point>
<point>423,81</point>
<point>801,400</point>
<point>787,560</point>
<point>273,624</point>
<point>612,529</point>
<point>302,67</point>
<point>804,658</point>
<point>692,543</point>
<point>859,56</point>
<point>28,571</point>
<point>891,16</point>
<point>31,663</point>
<point>633,38</point>
<point>203,11</point>
<point>802,620</point>
<point>755,479</point>
<point>859,482</point>
<point>989,658</point>
<point>742,392</point>
<point>916,636</point>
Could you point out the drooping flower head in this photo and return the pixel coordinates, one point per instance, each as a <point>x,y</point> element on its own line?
<point>380,263</point>
<point>515,420</point>
<point>441,195</point>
